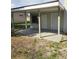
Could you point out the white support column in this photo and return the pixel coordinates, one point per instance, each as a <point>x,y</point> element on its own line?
<point>39,25</point>
<point>58,20</point>
<point>31,21</point>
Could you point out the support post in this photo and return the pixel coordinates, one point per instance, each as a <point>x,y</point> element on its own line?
<point>12,20</point>
<point>39,25</point>
<point>26,20</point>
<point>58,20</point>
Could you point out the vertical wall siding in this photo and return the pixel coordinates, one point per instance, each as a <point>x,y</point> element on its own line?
<point>44,21</point>
<point>61,21</point>
<point>65,4</point>
<point>49,21</point>
<point>54,21</point>
<point>65,22</point>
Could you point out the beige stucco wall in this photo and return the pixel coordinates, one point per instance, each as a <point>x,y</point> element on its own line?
<point>19,17</point>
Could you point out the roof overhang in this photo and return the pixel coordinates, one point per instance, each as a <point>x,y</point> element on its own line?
<point>39,6</point>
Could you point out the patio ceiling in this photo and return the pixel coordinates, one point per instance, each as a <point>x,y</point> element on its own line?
<point>43,10</point>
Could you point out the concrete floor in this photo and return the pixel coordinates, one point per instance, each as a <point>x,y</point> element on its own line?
<point>49,36</point>
<point>44,34</point>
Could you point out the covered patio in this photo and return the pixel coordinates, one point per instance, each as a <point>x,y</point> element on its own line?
<point>38,9</point>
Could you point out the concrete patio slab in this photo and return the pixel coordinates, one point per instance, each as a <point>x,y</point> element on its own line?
<point>44,35</point>
<point>49,36</point>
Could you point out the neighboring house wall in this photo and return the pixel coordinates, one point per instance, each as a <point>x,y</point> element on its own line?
<point>19,17</point>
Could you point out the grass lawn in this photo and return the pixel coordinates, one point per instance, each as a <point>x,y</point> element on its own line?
<point>23,47</point>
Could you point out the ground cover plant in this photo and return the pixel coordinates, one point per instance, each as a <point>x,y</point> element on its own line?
<point>23,47</point>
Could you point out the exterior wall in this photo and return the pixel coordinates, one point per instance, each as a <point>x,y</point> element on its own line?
<point>19,17</point>
<point>54,21</point>
<point>61,20</point>
<point>34,25</point>
<point>49,21</point>
<point>65,4</point>
<point>65,17</point>
<point>44,21</point>
<point>65,22</point>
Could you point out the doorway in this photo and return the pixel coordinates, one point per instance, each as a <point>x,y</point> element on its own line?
<point>34,20</point>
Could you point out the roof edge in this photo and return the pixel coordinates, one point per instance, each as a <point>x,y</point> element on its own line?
<point>34,4</point>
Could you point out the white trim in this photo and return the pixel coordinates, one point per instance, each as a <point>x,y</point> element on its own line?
<point>39,25</point>
<point>58,24</point>
<point>51,21</point>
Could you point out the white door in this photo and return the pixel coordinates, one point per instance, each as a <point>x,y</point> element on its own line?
<point>54,22</point>
<point>44,21</point>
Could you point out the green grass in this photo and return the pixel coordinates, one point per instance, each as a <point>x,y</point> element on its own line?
<point>20,25</point>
